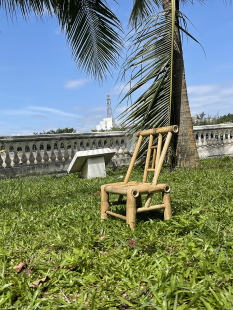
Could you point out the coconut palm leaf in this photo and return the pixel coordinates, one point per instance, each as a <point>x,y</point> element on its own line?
<point>141,10</point>
<point>150,63</point>
<point>90,27</point>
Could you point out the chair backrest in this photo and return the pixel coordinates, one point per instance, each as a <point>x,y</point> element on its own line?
<point>158,153</point>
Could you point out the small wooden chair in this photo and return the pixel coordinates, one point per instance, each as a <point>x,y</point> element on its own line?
<point>134,190</point>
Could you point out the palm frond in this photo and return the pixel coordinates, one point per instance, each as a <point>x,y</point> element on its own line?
<point>38,7</point>
<point>91,28</point>
<point>150,61</point>
<point>141,10</point>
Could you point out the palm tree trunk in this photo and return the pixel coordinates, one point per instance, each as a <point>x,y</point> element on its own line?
<point>186,150</point>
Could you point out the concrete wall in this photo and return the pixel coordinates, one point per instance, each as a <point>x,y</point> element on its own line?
<point>214,140</point>
<point>49,154</point>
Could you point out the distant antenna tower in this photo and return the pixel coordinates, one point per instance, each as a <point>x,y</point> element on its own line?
<point>109,108</point>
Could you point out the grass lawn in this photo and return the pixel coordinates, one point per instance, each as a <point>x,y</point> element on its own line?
<point>52,226</point>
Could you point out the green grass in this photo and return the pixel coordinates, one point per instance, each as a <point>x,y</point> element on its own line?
<point>183,263</point>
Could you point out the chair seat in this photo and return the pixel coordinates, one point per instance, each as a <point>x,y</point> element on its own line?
<point>136,188</point>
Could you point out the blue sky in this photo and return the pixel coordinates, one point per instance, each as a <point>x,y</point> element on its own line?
<point>42,89</point>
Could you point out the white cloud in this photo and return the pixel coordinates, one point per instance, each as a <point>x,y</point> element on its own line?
<point>75,84</point>
<point>211,98</point>
<point>44,112</point>
<point>52,111</point>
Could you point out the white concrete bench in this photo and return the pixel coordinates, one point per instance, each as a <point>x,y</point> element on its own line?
<point>91,163</point>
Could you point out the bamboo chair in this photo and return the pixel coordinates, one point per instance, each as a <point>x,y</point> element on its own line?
<point>134,190</point>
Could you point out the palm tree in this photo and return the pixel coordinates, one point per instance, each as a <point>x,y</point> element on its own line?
<point>156,61</point>
<point>92,31</point>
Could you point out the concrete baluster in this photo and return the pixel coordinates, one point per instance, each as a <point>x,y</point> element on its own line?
<point>211,138</point>
<point>1,161</point>
<point>72,149</point>
<point>92,146</point>
<point>53,155</point>
<point>24,157</point>
<point>66,154</point>
<point>16,159</point>
<point>204,143</point>
<point>8,159</point>
<point>215,142</point>
<point>229,136</point>
<point>208,141</point>
<point>219,137</point>
<point>96,143</point>
<point>31,156</point>
<point>126,151</point>
<point>38,153</point>
<point>46,156</point>
<point>59,155</point>
<point>108,142</point>
<point>199,144</point>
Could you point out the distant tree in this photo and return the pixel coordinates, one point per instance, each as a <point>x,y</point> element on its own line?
<point>225,119</point>
<point>59,130</point>
<point>216,119</point>
<point>112,129</point>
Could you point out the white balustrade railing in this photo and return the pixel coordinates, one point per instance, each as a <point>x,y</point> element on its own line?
<point>53,153</point>
<point>33,154</point>
<point>214,140</point>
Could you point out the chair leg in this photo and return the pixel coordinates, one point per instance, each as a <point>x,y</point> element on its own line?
<point>168,209</point>
<point>130,210</point>
<point>104,203</point>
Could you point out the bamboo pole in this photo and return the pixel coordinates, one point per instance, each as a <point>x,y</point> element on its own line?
<point>154,155</point>
<point>159,147</point>
<point>149,197</point>
<point>133,160</point>
<point>167,203</point>
<point>156,131</point>
<point>131,210</point>
<point>159,150</point>
<point>161,160</point>
<point>151,208</point>
<point>104,203</point>
<point>151,170</point>
<point>143,188</point>
<point>148,200</point>
<point>122,184</point>
<point>148,158</point>
<point>116,215</point>
<point>116,190</point>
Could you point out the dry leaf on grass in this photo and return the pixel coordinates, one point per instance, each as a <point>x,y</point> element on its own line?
<point>21,266</point>
<point>132,243</point>
<point>102,238</point>
<point>43,280</point>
